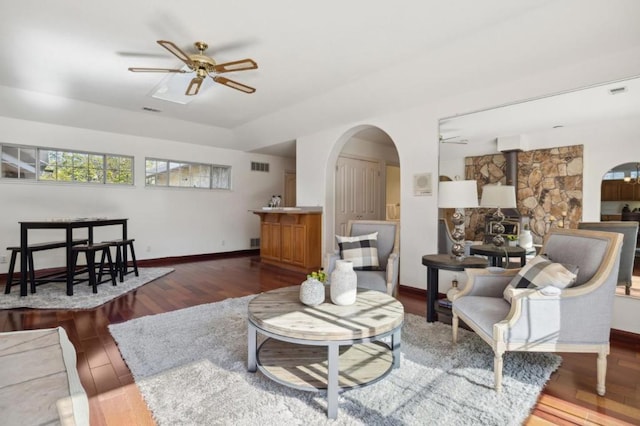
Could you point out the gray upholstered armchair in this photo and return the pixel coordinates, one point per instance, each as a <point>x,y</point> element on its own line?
<point>385,279</point>
<point>629,230</point>
<point>547,319</point>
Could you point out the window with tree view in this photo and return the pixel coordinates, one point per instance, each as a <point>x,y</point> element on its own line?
<point>52,165</point>
<point>186,175</point>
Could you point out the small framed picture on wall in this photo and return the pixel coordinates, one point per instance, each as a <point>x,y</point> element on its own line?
<point>422,184</point>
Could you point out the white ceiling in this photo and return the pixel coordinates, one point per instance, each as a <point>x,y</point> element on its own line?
<point>320,63</point>
<point>610,101</point>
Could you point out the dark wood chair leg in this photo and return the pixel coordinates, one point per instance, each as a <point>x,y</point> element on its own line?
<point>101,267</point>
<point>112,272</point>
<point>91,265</point>
<point>12,267</point>
<point>121,268</point>
<point>133,258</point>
<point>74,263</point>
<point>32,271</point>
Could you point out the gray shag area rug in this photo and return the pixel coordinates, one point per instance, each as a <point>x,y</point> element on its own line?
<point>191,367</point>
<point>54,295</point>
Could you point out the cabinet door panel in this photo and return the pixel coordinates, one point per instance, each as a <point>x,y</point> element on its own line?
<point>299,246</point>
<point>610,190</point>
<point>287,243</point>
<point>270,240</point>
<point>626,191</point>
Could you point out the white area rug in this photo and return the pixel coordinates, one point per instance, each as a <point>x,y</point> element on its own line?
<point>191,368</point>
<point>54,295</point>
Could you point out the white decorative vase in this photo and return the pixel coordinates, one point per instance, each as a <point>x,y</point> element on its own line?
<point>312,292</point>
<point>344,283</point>
<point>525,240</point>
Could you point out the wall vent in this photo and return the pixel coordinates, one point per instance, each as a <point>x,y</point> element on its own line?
<point>259,167</point>
<point>254,242</point>
<point>618,90</point>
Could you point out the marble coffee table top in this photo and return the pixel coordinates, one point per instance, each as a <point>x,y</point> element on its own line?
<point>281,312</point>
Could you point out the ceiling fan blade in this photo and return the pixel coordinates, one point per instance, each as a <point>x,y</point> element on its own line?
<point>241,65</point>
<point>233,84</point>
<point>156,70</point>
<point>176,51</point>
<point>194,86</point>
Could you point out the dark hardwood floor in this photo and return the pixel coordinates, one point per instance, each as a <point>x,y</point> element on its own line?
<point>568,398</point>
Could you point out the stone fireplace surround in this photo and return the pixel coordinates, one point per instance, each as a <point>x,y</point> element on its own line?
<point>548,188</point>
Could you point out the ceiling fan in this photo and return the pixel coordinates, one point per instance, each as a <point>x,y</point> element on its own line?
<point>204,67</point>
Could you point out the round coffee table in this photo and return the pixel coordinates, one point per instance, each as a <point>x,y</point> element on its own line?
<point>326,346</point>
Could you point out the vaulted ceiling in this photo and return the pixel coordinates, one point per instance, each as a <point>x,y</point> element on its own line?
<point>320,63</point>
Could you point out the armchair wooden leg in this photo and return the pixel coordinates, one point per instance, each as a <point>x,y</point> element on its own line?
<point>497,371</point>
<point>602,370</point>
<point>454,327</point>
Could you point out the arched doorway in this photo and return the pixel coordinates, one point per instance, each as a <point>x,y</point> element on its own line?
<point>620,200</point>
<point>367,178</point>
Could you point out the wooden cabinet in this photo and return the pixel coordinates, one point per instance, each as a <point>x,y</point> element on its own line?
<point>610,190</point>
<point>619,190</point>
<point>270,240</point>
<point>291,239</point>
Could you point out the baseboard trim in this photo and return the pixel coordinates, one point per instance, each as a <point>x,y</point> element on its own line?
<point>627,337</point>
<point>163,261</point>
<point>413,290</point>
<point>167,261</point>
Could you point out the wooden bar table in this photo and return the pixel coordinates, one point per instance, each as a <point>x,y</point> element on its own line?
<point>68,225</point>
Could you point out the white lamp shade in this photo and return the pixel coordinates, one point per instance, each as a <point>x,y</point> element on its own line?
<point>503,196</point>
<point>458,194</point>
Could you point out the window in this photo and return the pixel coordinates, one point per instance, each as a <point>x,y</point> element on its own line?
<point>52,165</point>
<point>186,175</point>
<point>613,176</point>
<point>18,162</point>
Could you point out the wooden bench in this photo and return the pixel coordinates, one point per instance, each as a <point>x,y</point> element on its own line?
<point>15,250</point>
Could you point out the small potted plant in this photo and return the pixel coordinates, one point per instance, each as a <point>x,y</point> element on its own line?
<point>512,239</point>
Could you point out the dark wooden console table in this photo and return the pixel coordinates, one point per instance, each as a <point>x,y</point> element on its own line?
<point>496,254</point>
<point>435,262</point>
<point>68,225</point>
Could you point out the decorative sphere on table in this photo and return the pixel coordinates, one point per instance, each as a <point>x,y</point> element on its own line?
<point>344,283</point>
<point>312,292</point>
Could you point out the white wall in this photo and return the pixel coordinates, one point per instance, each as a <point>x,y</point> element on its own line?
<point>415,133</point>
<point>164,221</point>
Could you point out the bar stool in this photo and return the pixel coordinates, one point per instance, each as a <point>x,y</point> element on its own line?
<point>12,265</point>
<point>121,246</point>
<point>90,251</point>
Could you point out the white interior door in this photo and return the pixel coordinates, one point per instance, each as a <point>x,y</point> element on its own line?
<point>358,191</point>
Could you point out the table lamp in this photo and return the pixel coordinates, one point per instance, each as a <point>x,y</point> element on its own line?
<point>498,196</point>
<point>458,194</point>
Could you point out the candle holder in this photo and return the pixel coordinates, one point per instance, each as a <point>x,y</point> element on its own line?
<point>458,194</point>
<point>498,196</point>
